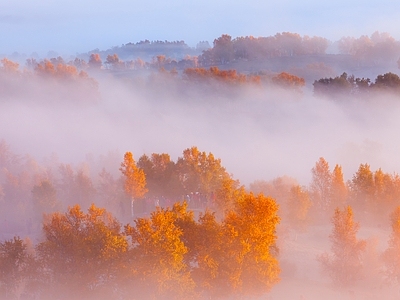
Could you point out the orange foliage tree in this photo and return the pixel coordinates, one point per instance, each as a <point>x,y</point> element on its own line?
<point>290,81</point>
<point>250,244</point>
<point>214,73</point>
<point>82,253</point>
<point>157,256</point>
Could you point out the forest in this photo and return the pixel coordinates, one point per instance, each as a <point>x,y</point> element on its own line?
<point>299,198</point>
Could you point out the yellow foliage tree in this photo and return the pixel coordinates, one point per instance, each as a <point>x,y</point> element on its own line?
<point>250,245</point>
<point>135,179</point>
<point>157,256</point>
<point>227,195</point>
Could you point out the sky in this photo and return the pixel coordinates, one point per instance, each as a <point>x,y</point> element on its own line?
<point>71,27</point>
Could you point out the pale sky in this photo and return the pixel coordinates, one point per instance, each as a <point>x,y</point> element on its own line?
<point>72,26</point>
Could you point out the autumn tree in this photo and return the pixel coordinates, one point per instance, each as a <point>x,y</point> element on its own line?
<point>207,250</point>
<point>298,206</point>
<point>289,81</point>
<point>162,177</point>
<point>135,178</point>
<point>320,184</point>
<point>250,244</point>
<point>200,172</point>
<point>157,257</point>
<point>95,61</point>
<point>9,66</point>
<point>338,190</point>
<point>392,254</point>
<point>227,195</point>
<point>114,62</point>
<point>344,264</point>
<point>81,253</point>
<point>223,49</point>
<point>362,187</point>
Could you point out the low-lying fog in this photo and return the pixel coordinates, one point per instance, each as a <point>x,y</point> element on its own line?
<point>258,133</point>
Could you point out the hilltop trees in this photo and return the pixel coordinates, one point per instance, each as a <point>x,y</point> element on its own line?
<point>380,46</point>
<point>285,44</point>
<point>345,86</point>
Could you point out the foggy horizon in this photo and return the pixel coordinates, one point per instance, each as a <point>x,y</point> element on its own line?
<point>69,28</point>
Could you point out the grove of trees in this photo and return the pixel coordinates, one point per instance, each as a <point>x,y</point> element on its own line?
<point>196,232</point>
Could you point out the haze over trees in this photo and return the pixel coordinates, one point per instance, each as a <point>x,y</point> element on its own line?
<point>218,241</point>
<point>178,224</point>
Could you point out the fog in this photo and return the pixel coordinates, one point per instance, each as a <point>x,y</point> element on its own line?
<point>259,132</point>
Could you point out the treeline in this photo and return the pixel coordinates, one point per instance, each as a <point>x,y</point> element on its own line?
<point>70,82</point>
<point>345,86</point>
<point>378,48</point>
<point>167,255</point>
<point>62,81</point>
<point>226,50</point>
<point>202,236</point>
<point>29,189</point>
<point>226,248</point>
<point>373,194</point>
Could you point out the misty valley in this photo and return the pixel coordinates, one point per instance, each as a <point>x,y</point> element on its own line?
<point>252,168</point>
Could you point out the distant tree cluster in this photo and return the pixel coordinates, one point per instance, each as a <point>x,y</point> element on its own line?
<point>376,48</point>
<point>225,49</point>
<point>55,74</point>
<point>214,73</point>
<point>148,49</point>
<point>28,190</point>
<point>344,85</point>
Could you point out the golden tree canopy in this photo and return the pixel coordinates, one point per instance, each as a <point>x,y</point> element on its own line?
<point>135,179</point>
